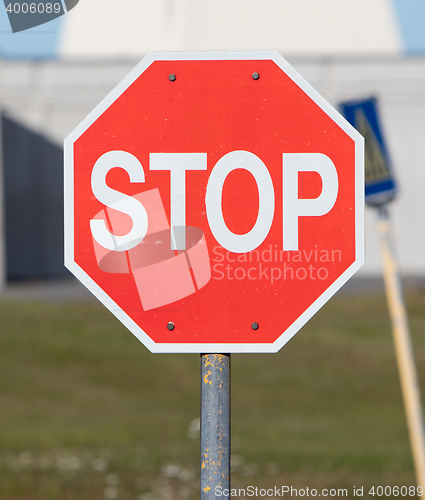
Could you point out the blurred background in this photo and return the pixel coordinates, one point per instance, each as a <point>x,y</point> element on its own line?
<point>53,75</point>
<point>83,410</point>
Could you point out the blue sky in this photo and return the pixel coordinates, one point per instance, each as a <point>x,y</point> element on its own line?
<point>411,19</point>
<point>35,43</point>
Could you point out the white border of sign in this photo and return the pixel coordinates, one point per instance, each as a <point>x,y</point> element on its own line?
<point>69,200</point>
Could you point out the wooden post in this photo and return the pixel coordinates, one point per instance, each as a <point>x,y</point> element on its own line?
<point>403,347</point>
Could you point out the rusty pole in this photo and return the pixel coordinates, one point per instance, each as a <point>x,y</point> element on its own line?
<point>215,426</point>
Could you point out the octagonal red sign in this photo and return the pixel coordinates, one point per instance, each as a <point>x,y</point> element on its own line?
<point>214,201</point>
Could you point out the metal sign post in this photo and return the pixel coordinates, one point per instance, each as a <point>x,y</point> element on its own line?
<point>215,425</point>
<point>172,237</point>
<point>380,189</point>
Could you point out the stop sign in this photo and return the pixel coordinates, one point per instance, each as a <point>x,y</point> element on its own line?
<point>214,201</point>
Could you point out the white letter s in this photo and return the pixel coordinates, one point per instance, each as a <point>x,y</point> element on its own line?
<point>118,201</point>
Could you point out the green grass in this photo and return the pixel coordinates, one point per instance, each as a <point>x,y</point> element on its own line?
<point>87,413</point>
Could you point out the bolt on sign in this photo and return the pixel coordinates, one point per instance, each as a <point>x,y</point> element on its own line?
<point>214,201</point>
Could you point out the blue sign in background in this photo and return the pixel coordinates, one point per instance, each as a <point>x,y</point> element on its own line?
<point>380,185</point>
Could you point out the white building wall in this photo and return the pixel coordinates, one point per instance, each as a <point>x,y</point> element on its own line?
<point>107,28</point>
<point>53,97</point>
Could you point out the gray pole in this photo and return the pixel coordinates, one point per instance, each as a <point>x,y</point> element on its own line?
<point>215,425</point>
